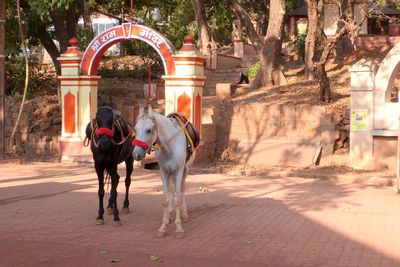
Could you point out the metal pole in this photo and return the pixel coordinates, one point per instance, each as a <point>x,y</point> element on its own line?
<point>3,4</point>
<point>150,87</point>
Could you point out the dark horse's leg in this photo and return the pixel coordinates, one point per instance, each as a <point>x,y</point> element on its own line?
<point>100,177</point>
<point>114,184</point>
<point>129,170</point>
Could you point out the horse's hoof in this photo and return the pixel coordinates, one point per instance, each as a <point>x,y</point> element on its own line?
<point>110,211</point>
<point>185,219</point>
<point>99,222</point>
<point>117,223</point>
<point>180,235</point>
<point>161,234</point>
<point>126,210</point>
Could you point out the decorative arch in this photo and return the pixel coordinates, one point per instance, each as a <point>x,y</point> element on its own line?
<point>105,40</point>
<point>387,73</point>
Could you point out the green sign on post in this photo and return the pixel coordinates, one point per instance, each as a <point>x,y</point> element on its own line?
<point>359,119</point>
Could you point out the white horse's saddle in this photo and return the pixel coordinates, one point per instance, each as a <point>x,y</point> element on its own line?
<point>192,136</point>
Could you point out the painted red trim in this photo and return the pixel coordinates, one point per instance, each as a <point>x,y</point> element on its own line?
<point>184,85</point>
<point>76,84</point>
<point>69,113</point>
<point>197,113</point>
<point>184,102</point>
<point>198,59</point>
<point>90,78</point>
<point>184,79</point>
<point>102,42</point>
<point>65,61</point>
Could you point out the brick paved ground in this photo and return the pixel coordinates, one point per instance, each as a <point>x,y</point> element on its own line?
<point>47,218</point>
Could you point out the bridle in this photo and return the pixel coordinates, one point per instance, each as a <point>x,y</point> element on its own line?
<point>97,132</point>
<point>156,145</point>
<point>143,144</point>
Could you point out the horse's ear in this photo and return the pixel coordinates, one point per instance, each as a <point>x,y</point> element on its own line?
<point>149,110</point>
<point>141,110</point>
<point>111,102</point>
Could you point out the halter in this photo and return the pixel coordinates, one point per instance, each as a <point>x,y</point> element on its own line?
<point>106,131</point>
<point>96,132</point>
<point>143,144</point>
<point>156,145</point>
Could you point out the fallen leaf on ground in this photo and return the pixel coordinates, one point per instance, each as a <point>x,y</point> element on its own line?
<point>154,258</point>
<point>203,189</point>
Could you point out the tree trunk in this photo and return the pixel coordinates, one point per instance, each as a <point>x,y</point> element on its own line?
<point>50,46</point>
<point>324,84</point>
<point>345,27</point>
<point>310,39</point>
<point>271,54</point>
<point>71,21</point>
<point>245,20</point>
<point>60,29</point>
<point>87,21</point>
<point>268,50</point>
<point>205,40</point>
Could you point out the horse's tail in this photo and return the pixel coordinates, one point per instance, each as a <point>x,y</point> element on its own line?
<point>190,161</point>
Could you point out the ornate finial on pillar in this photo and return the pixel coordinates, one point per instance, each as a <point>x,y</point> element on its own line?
<point>73,49</point>
<point>189,39</point>
<point>73,42</point>
<point>188,46</point>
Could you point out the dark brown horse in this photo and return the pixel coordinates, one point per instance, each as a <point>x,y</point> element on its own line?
<point>110,138</point>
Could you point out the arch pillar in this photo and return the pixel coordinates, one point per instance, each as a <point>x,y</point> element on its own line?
<point>78,104</point>
<point>374,118</point>
<point>184,90</point>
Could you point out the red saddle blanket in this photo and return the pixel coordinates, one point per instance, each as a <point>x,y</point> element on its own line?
<point>191,133</point>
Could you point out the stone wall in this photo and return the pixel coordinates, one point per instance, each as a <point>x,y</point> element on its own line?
<point>39,128</point>
<point>220,76</point>
<point>234,121</point>
<point>225,123</point>
<point>126,93</point>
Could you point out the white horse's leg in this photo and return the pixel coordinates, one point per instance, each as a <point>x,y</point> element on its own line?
<point>184,214</point>
<point>178,198</point>
<point>162,231</point>
<point>171,196</point>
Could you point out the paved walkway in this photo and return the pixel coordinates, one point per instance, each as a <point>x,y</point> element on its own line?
<point>48,216</point>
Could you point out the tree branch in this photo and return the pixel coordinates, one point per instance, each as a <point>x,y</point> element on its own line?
<point>245,20</point>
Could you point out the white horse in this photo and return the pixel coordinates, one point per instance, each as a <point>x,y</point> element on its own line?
<point>152,128</point>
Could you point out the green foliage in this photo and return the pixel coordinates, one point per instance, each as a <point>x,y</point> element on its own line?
<point>40,79</point>
<point>83,35</point>
<point>253,69</point>
<point>134,69</point>
<point>219,17</point>
<point>301,44</point>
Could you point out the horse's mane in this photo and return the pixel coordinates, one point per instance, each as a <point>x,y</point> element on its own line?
<point>145,115</point>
